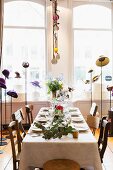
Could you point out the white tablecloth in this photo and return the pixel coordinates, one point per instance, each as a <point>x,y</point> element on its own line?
<point>36,150</point>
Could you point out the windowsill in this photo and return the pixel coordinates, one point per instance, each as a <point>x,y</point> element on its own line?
<point>43,96</point>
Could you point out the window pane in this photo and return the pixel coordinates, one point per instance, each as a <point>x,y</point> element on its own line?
<point>24,13</point>
<point>25,45</point>
<point>88,46</point>
<point>92,16</point>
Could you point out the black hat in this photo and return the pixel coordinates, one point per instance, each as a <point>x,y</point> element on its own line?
<point>12,93</point>
<point>2,83</point>
<point>5,73</point>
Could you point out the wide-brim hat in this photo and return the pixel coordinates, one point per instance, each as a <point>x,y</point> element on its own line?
<point>12,93</point>
<point>36,84</point>
<point>102,61</point>
<point>5,73</point>
<point>2,83</point>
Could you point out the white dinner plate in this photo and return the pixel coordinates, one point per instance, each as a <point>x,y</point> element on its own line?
<point>75,114</point>
<point>43,114</point>
<point>41,120</point>
<point>35,129</point>
<point>77,119</point>
<point>81,129</point>
<point>73,109</point>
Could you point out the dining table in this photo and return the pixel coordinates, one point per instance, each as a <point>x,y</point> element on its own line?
<point>36,150</point>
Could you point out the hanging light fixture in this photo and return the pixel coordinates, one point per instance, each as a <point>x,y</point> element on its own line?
<point>56,55</point>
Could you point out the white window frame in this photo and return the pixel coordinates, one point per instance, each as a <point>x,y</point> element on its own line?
<point>44,3</point>
<point>94,29</point>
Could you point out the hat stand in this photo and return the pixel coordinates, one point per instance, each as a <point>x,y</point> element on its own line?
<point>11,109</point>
<point>12,94</point>
<point>5,125</point>
<point>2,143</point>
<point>8,137</point>
<point>102,61</point>
<point>25,65</point>
<point>90,71</point>
<point>110,88</point>
<point>110,112</point>
<point>5,133</point>
<point>5,105</point>
<point>6,73</point>
<point>10,112</point>
<point>25,86</point>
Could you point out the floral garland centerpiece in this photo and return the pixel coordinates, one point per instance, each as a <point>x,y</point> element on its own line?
<point>58,110</point>
<point>57,129</point>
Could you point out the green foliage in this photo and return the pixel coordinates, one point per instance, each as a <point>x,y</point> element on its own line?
<point>56,130</point>
<point>54,85</point>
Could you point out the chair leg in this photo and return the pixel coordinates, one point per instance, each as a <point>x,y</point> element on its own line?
<point>34,168</point>
<point>93,131</point>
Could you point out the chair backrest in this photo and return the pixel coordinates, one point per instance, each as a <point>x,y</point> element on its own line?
<point>15,141</point>
<point>93,109</point>
<point>103,136</point>
<point>18,116</point>
<point>61,164</point>
<point>29,110</point>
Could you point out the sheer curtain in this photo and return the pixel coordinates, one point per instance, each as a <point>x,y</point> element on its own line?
<point>1,27</point>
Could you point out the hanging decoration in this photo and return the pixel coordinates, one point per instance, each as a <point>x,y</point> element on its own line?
<point>55,17</point>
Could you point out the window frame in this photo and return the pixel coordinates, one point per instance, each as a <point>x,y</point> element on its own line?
<point>44,28</point>
<point>94,29</point>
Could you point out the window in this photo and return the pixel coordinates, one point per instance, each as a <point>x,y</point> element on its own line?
<point>24,41</point>
<point>92,38</point>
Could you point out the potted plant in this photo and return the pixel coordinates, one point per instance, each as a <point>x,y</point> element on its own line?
<point>53,86</point>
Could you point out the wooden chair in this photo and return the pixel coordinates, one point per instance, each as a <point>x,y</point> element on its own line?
<point>18,116</point>
<point>61,164</point>
<point>93,109</point>
<point>93,119</point>
<point>29,109</point>
<point>15,143</point>
<point>103,136</point>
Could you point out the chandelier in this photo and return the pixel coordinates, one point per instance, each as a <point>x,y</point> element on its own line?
<point>55,18</point>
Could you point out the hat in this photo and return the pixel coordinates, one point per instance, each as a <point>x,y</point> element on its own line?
<point>2,83</point>
<point>12,93</point>
<point>17,75</point>
<point>35,83</point>
<point>5,73</point>
<point>25,64</point>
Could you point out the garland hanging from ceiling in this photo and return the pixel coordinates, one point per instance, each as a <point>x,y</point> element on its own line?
<point>55,18</point>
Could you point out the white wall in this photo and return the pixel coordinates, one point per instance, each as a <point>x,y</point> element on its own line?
<point>64,41</point>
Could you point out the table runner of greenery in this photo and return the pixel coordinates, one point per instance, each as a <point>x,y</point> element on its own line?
<point>58,128</point>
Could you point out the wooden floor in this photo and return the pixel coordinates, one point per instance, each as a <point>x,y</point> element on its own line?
<point>6,157</point>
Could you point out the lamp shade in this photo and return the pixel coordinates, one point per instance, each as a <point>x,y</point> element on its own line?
<point>2,83</point>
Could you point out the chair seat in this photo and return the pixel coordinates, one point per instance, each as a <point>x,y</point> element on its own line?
<point>61,164</point>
